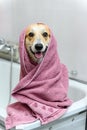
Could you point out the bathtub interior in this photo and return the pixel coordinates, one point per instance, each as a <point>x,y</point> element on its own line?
<point>4,82</point>
<point>15,77</point>
<point>75,93</point>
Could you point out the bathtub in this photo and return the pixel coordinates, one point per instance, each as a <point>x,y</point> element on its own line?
<point>73,119</point>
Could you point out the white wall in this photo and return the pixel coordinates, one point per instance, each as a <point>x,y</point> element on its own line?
<point>6,19</point>
<point>67,19</point>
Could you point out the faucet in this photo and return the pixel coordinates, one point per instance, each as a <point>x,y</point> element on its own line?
<point>7,49</point>
<point>4,46</point>
<point>2,43</point>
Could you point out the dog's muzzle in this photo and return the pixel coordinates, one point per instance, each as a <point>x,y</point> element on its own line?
<point>39,53</point>
<point>39,47</point>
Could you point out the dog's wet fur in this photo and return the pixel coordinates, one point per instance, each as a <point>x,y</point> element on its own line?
<point>37,39</point>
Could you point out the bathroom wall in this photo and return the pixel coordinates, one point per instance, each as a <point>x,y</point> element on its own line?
<point>67,19</point>
<point>6,19</point>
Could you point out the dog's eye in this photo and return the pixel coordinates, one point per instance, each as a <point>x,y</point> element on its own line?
<point>45,34</point>
<point>31,34</point>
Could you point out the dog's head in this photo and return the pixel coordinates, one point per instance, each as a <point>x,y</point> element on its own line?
<point>37,38</point>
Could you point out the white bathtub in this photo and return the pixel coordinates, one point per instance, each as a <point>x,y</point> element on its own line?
<point>74,116</point>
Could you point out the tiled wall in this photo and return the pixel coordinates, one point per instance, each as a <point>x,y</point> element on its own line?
<point>67,19</point>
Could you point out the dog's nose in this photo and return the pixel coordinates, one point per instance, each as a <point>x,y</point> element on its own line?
<point>38,46</point>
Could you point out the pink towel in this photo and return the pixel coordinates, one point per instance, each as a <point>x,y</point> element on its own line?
<point>42,90</point>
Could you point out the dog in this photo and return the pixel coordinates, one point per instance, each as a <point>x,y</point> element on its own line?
<point>37,39</point>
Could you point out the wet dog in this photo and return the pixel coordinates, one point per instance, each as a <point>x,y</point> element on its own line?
<point>37,39</point>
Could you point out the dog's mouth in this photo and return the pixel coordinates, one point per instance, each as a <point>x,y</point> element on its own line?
<point>39,54</point>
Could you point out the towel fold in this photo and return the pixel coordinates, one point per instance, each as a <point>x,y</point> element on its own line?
<point>42,90</point>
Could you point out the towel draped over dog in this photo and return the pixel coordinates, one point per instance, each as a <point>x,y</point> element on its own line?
<point>42,90</point>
